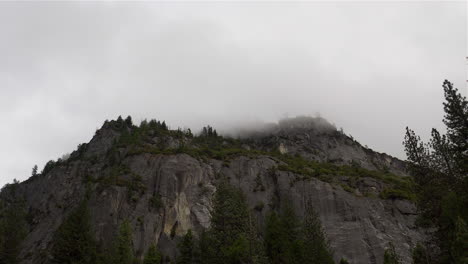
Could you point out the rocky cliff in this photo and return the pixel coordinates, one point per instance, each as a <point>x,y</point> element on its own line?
<point>163,182</point>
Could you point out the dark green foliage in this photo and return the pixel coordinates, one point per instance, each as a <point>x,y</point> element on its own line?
<point>395,193</point>
<point>187,249</point>
<point>232,237</point>
<point>135,187</point>
<point>123,246</point>
<point>13,224</point>
<point>208,131</point>
<point>229,224</point>
<point>259,187</point>
<point>174,229</point>
<point>289,240</point>
<point>34,171</point>
<point>390,255</point>
<point>128,121</point>
<point>398,187</point>
<point>48,167</point>
<point>459,246</point>
<point>259,206</point>
<point>315,245</point>
<point>156,202</point>
<point>73,241</point>
<point>274,238</point>
<point>440,171</point>
<point>208,144</point>
<point>121,175</point>
<point>420,255</point>
<point>152,256</point>
<point>343,261</point>
<point>456,120</point>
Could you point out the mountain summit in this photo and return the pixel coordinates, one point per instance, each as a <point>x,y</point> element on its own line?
<point>158,185</point>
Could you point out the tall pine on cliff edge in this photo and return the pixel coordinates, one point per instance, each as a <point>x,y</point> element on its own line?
<point>440,170</point>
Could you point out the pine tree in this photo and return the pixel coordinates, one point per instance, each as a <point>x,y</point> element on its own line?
<point>128,121</point>
<point>256,245</point>
<point>12,225</point>
<point>440,171</point>
<point>153,256</point>
<point>34,171</point>
<point>205,249</point>
<point>456,120</point>
<point>459,248</point>
<point>228,225</point>
<point>73,241</point>
<point>229,238</point>
<point>291,228</point>
<point>123,248</point>
<point>315,244</point>
<point>390,255</point>
<point>164,126</point>
<point>420,255</point>
<point>274,241</point>
<point>187,249</point>
<point>282,240</point>
<point>343,261</point>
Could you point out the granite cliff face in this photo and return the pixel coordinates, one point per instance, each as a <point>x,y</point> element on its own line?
<point>164,189</point>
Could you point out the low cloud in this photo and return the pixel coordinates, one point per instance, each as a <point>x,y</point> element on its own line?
<point>371,68</point>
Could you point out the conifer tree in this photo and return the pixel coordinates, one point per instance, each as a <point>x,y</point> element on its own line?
<point>274,241</point>
<point>128,121</point>
<point>74,241</point>
<point>459,248</point>
<point>440,171</point>
<point>34,171</point>
<point>187,249</point>
<point>153,256</point>
<point>228,225</point>
<point>390,255</point>
<point>229,239</point>
<point>456,120</point>
<point>123,248</point>
<point>343,261</point>
<point>282,241</point>
<point>256,246</point>
<point>12,231</point>
<point>315,244</point>
<point>420,255</point>
<point>291,234</point>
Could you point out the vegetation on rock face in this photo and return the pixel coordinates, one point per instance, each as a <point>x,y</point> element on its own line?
<point>420,255</point>
<point>343,261</point>
<point>440,170</point>
<point>152,256</point>
<point>390,255</point>
<point>398,187</point>
<point>74,242</point>
<point>316,247</point>
<point>13,224</point>
<point>155,138</point>
<point>122,252</point>
<point>289,240</point>
<point>187,249</point>
<point>231,237</point>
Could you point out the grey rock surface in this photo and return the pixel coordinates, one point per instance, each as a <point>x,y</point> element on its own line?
<point>359,228</point>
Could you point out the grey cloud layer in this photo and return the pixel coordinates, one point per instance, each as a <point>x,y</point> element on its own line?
<point>371,68</point>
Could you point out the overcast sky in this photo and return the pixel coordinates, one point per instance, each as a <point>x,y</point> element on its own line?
<point>369,67</point>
